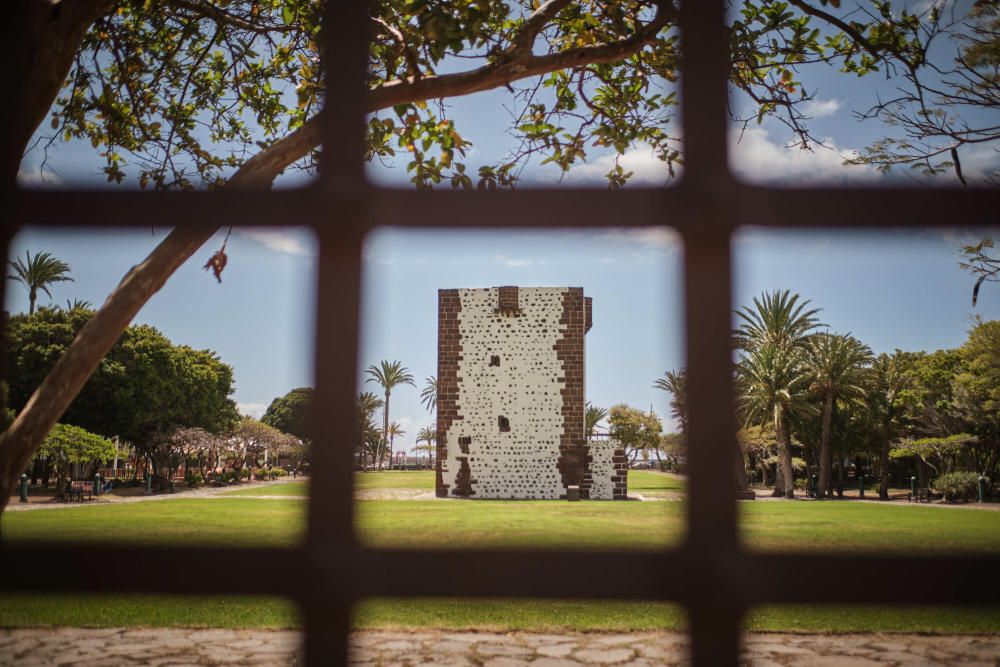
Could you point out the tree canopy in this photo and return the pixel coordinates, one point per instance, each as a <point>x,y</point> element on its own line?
<point>634,429</point>
<point>146,384</point>
<point>185,92</point>
<point>288,413</point>
<point>67,444</point>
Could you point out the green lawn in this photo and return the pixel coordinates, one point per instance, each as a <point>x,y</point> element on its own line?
<point>394,479</point>
<point>239,521</point>
<point>286,489</point>
<point>803,526</point>
<point>644,482</point>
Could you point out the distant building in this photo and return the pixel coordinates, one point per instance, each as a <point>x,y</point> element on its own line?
<point>510,411</point>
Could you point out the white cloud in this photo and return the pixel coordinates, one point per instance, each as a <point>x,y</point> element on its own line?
<point>820,108</point>
<point>657,238</point>
<point>289,243</point>
<point>512,262</point>
<point>255,410</point>
<point>35,178</point>
<point>647,169</point>
<point>758,158</point>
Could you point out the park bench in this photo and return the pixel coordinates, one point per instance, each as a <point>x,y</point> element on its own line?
<point>923,495</point>
<point>78,489</point>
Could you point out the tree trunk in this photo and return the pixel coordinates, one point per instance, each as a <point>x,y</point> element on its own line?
<point>740,468</point>
<point>385,431</point>
<point>824,447</point>
<point>883,464</point>
<point>37,56</point>
<point>32,297</point>
<point>785,454</point>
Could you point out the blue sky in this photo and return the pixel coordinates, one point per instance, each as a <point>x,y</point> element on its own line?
<point>893,289</point>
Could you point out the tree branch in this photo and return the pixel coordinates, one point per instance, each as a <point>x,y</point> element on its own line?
<point>223,17</point>
<point>524,41</point>
<point>497,74</point>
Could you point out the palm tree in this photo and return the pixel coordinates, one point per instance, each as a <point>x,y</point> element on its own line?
<point>778,318</point>
<point>429,436</point>
<point>429,394</point>
<point>592,416</point>
<point>773,337</point>
<point>889,379</point>
<point>37,273</point>
<point>838,366</point>
<point>774,384</point>
<point>79,304</point>
<point>388,375</point>
<point>675,383</point>
<point>395,430</point>
<point>368,403</point>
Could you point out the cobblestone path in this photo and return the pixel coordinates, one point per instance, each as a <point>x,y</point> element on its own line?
<point>178,646</point>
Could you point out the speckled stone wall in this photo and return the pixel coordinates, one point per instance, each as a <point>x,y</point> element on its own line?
<point>511,396</point>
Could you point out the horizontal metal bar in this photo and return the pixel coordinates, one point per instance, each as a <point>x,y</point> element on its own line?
<point>129,208</point>
<point>843,208</point>
<point>532,208</point>
<point>679,207</point>
<point>685,575</point>
<point>870,579</point>
<point>159,569</point>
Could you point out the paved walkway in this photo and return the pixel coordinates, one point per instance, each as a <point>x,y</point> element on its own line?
<point>110,498</point>
<point>177,646</point>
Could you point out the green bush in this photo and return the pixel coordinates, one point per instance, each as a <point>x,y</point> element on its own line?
<point>958,487</point>
<point>193,478</point>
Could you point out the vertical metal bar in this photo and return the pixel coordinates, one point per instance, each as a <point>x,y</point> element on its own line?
<point>711,526</point>
<point>716,635</point>
<point>711,446</point>
<point>6,234</point>
<point>346,30</point>
<point>704,97</point>
<point>335,429</point>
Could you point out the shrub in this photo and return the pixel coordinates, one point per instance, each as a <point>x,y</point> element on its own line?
<point>193,478</point>
<point>958,486</point>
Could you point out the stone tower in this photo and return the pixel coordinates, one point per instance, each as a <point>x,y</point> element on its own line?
<point>511,397</point>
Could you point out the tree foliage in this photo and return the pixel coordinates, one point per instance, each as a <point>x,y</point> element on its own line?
<point>634,429</point>
<point>184,92</point>
<point>145,385</point>
<point>67,444</point>
<point>288,413</point>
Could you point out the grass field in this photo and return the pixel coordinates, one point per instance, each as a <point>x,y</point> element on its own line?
<point>639,481</point>
<point>237,521</point>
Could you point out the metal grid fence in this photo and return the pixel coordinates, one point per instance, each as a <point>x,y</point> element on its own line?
<point>711,574</point>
